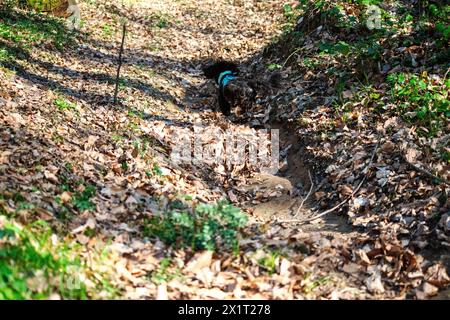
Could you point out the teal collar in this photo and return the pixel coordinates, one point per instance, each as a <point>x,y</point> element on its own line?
<point>224,78</point>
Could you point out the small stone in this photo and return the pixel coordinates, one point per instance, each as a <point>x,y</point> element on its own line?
<point>360,203</point>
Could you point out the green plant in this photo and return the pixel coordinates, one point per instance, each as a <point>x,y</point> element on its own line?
<point>310,285</point>
<point>274,66</point>
<point>368,2</point>
<point>340,47</point>
<point>269,261</point>
<point>421,100</point>
<point>63,104</point>
<point>160,20</point>
<point>20,31</point>
<point>35,264</point>
<point>106,30</point>
<point>156,169</point>
<point>446,156</point>
<point>289,12</point>
<point>136,113</point>
<point>208,226</point>
<point>68,166</point>
<point>141,146</point>
<point>443,29</point>
<point>24,206</point>
<point>163,273</point>
<point>81,200</point>
<point>124,165</point>
<point>117,137</point>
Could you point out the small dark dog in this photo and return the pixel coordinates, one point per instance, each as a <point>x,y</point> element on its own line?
<point>233,91</point>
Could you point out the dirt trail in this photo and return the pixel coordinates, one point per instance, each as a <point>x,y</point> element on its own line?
<point>233,30</point>
<point>239,31</point>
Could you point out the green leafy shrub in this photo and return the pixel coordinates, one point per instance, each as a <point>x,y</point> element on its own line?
<point>34,266</point>
<point>422,100</point>
<point>208,226</point>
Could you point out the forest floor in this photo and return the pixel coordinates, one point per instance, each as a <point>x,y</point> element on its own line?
<point>97,172</point>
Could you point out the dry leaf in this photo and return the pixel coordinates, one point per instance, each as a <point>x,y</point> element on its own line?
<point>199,261</point>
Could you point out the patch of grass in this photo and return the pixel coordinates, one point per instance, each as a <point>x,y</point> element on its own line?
<point>310,285</point>
<point>122,83</point>
<point>124,165</point>
<point>35,265</point>
<point>118,137</point>
<point>446,156</point>
<point>141,146</point>
<point>154,171</point>
<point>18,202</point>
<point>63,104</point>
<point>136,113</point>
<point>57,138</point>
<point>207,226</point>
<point>310,63</point>
<point>107,30</point>
<point>20,31</point>
<point>164,273</point>
<point>133,126</point>
<point>68,166</point>
<point>274,66</point>
<point>24,206</point>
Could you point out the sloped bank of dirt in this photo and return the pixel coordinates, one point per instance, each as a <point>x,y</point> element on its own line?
<point>400,210</point>
<point>291,190</point>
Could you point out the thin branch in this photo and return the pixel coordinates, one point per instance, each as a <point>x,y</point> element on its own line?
<point>364,172</point>
<point>307,196</point>
<point>329,210</point>
<point>425,172</point>
<point>290,56</point>
<point>116,90</point>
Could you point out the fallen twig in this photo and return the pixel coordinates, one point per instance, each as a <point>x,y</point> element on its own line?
<point>425,172</point>
<point>329,210</point>
<point>364,172</point>
<point>307,196</point>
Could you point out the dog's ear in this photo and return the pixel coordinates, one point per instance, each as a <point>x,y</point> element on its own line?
<point>212,71</point>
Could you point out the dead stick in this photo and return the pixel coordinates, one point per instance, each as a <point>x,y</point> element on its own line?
<point>307,196</point>
<point>425,172</point>
<point>116,90</point>
<point>329,210</point>
<point>364,172</point>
